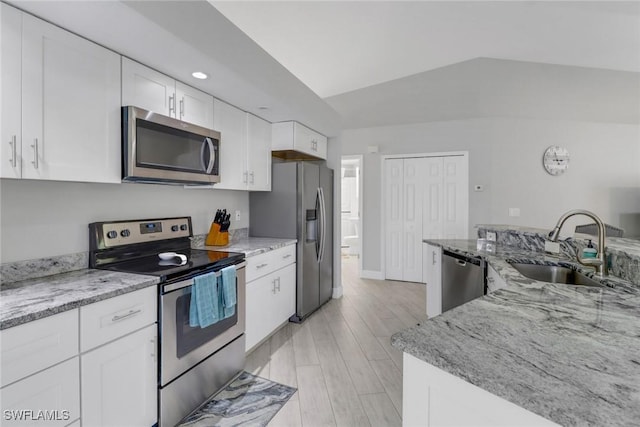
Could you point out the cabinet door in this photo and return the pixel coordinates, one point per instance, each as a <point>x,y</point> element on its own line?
<point>194,106</point>
<point>56,390</point>
<point>285,294</point>
<point>260,309</point>
<point>71,106</point>
<point>303,140</point>
<point>119,382</point>
<point>258,153</point>
<point>148,89</point>
<point>10,129</point>
<point>231,123</point>
<point>433,273</point>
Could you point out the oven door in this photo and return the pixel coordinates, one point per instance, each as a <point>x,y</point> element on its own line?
<point>164,149</point>
<point>181,346</point>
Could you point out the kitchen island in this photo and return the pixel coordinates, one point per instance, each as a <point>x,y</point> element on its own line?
<point>569,354</point>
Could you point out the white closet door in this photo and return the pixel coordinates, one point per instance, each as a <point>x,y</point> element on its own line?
<point>432,227</point>
<point>393,172</point>
<point>456,196</point>
<point>412,223</point>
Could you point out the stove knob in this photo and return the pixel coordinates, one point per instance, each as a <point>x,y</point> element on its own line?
<point>183,227</point>
<point>112,234</point>
<point>125,233</point>
<point>174,228</point>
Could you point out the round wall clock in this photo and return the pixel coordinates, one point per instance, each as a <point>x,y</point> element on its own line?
<point>556,160</point>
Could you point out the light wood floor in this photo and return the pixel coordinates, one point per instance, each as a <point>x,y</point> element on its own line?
<point>340,358</point>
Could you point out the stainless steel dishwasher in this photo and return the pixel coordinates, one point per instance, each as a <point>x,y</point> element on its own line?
<point>463,279</point>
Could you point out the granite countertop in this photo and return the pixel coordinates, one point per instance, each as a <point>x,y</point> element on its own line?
<point>28,300</point>
<point>252,246</point>
<point>568,353</point>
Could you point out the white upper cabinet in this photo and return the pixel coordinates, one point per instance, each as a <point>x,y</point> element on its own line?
<point>194,106</point>
<point>231,123</point>
<point>60,104</point>
<point>148,89</point>
<point>291,137</point>
<point>245,149</point>
<point>258,153</point>
<point>10,122</point>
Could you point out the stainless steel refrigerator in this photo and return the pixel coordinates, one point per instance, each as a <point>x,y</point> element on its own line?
<point>300,206</point>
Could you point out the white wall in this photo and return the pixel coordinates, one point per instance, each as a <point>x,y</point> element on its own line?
<point>45,218</point>
<point>505,156</point>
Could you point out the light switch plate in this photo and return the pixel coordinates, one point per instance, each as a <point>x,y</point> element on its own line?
<point>237,215</point>
<point>514,211</point>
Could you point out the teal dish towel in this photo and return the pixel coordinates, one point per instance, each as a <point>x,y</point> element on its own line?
<point>205,301</point>
<point>228,290</point>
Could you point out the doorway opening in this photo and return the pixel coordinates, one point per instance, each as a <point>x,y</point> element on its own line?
<point>351,213</point>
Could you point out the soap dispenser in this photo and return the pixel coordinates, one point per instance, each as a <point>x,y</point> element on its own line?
<point>589,251</point>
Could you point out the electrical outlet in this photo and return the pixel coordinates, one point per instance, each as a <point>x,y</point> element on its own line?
<point>237,215</point>
<point>491,236</point>
<point>551,247</point>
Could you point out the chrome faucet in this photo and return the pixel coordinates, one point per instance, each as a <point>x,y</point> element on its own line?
<point>600,262</point>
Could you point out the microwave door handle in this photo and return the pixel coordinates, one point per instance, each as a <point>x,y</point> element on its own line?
<point>212,156</point>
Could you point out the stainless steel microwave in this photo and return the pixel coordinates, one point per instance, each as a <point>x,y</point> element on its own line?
<point>157,148</point>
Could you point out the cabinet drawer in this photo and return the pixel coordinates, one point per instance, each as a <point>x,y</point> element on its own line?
<point>55,390</point>
<point>268,262</point>
<point>110,319</point>
<point>29,348</point>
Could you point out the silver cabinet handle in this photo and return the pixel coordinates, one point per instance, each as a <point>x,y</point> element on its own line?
<point>251,175</point>
<point>273,288</point>
<point>154,348</point>
<point>35,154</point>
<point>433,258</point>
<point>262,265</point>
<point>461,263</point>
<point>13,160</point>
<point>286,256</point>
<point>126,315</point>
<point>244,176</point>
<point>182,107</point>
<point>278,282</point>
<point>172,104</point>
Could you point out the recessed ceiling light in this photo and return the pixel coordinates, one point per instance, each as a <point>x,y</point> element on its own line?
<point>199,75</point>
<point>263,107</point>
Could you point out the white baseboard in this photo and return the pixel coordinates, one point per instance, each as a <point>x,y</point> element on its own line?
<point>337,292</point>
<point>370,274</point>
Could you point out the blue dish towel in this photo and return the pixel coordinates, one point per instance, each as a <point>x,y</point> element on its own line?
<point>228,290</point>
<point>205,307</point>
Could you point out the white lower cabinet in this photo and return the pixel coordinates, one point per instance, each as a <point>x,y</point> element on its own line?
<point>433,397</point>
<point>50,397</point>
<point>271,300</point>
<point>119,382</point>
<point>432,265</point>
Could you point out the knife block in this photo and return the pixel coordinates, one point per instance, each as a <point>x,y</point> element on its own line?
<point>216,237</point>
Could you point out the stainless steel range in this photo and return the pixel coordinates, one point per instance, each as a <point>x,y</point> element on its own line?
<point>194,362</point>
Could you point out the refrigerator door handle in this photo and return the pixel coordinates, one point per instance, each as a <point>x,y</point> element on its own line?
<point>319,222</point>
<point>323,219</point>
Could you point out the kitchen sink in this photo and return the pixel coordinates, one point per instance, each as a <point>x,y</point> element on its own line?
<point>554,274</point>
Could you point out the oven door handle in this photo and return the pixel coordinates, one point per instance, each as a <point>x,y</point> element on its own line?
<point>186,283</point>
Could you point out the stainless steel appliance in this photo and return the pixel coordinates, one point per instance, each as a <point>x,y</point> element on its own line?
<point>463,279</point>
<point>300,206</point>
<point>194,363</point>
<point>157,148</point>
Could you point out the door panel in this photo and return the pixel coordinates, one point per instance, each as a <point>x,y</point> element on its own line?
<point>412,224</point>
<point>455,198</point>
<point>393,215</point>
<point>432,226</point>
<point>231,122</point>
<point>148,89</point>
<point>194,106</point>
<point>11,110</point>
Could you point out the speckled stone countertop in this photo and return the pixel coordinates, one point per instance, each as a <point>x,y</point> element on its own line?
<point>570,354</point>
<point>28,300</point>
<point>252,246</point>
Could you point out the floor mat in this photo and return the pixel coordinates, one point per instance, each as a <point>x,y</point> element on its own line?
<point>248,401</point>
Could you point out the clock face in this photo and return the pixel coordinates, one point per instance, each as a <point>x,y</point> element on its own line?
<point>556,160</point>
